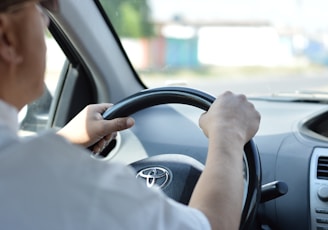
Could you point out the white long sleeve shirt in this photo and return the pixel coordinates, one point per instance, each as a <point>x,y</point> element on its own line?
<point>48,183</point>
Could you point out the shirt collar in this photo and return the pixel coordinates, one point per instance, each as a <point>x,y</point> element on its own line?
<point>8,116</point>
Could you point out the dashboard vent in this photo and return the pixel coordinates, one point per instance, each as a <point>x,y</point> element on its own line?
<point>322,170</point>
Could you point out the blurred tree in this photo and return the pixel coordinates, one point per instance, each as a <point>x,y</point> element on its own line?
<point>130,18</point>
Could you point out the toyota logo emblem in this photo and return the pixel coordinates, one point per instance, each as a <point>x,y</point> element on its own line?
<point>154,175</point>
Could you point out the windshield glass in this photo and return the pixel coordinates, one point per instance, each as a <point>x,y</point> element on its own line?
<point>253,47</point>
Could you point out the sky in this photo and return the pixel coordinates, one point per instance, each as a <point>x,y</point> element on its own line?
<point>312,15</point>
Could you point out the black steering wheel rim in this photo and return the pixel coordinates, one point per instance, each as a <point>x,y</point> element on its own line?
<point>158,96</point>
<point>202,100</point>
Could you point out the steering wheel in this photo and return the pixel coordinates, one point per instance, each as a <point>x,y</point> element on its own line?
<point>177,174</point>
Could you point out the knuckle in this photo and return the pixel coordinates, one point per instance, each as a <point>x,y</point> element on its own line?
<point>119,124</point>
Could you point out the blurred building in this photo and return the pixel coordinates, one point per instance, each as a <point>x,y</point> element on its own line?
<point>232,33</point>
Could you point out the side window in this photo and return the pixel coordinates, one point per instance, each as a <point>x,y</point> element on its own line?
<point>34,117</point>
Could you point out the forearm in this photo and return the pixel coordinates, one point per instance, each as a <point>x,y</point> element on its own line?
<point>218,193</point>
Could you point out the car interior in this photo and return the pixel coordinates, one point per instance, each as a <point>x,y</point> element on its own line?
<point>167,76</point>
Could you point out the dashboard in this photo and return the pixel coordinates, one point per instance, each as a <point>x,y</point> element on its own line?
<point>291,151</point>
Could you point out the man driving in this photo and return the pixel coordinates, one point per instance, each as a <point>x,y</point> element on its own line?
<point>49,181</point>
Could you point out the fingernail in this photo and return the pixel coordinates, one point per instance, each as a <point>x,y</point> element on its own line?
<point>129,122</point>
<point>95,153</point>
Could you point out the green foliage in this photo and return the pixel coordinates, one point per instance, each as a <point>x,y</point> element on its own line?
<point>130,18</point>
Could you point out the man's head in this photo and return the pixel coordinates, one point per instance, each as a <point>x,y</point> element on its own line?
<point>51,5</point>
<point>22,50</point>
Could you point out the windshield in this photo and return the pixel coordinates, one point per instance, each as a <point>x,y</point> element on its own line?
<point>253,47</point>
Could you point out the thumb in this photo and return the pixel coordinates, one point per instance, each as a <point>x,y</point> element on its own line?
<point>118,124</point>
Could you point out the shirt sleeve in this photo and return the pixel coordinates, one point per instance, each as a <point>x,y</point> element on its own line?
<point>196,219</point>
<point>61,187</point>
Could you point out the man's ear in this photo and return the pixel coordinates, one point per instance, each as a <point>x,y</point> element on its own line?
<point>7,50</point>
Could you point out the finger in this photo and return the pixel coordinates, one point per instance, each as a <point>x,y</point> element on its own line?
<point>110,137</point>
<point>101,108</point>
<point>104,106</point>
<point>96,150</point>
<point>201,122</point>
<point>99,146</point>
